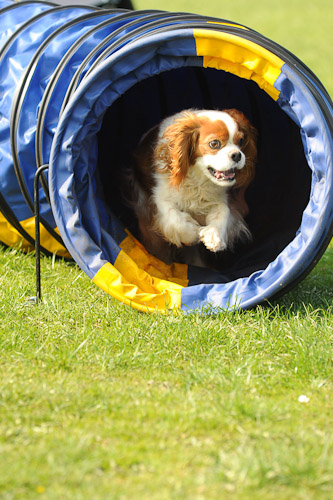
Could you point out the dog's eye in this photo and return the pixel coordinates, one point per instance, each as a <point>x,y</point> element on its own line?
<point>241,142</point>
<point>215,144</point>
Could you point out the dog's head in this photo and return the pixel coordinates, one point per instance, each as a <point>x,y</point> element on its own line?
<point>220,145</point>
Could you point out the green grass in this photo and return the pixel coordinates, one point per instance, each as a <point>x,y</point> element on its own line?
<point>98,401</point>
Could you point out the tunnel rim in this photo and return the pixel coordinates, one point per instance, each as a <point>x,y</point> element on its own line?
<point>115,58</point>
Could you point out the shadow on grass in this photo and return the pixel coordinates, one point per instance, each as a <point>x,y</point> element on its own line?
<point>314,292</point>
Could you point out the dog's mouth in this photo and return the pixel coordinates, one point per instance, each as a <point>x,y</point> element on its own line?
<point>227,175</point>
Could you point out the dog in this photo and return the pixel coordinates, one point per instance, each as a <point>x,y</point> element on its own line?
<point>189,178</point>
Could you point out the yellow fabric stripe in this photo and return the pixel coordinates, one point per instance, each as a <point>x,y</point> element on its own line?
<point>11,237</point>
<point>177,273</point>
<point>141,280</point>
<point>47,241</point>
<point>129,284</point>
<point>241,57</point>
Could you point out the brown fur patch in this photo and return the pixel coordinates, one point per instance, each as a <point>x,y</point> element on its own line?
<point>210,131</point>
<point>178,151</point>
<point>245,176</point>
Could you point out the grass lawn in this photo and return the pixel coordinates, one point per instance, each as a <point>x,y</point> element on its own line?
<point>98,401</point>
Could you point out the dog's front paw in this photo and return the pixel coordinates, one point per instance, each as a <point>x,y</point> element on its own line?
<point>190,233</point>
<point>212,239</point>
<point>181,229</point>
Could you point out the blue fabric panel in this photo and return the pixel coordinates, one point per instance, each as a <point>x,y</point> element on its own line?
<point>297,100</point>
<point>5,3</point>
<point>141,21</point>
<point>91,234</point>
<point>13,18</point>
<point>97,35</point>
<point>299,103</point>
<point>32,94</point>
<point>13,63</point>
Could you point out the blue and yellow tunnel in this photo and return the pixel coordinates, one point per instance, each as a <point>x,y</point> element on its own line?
<point>81,85</point>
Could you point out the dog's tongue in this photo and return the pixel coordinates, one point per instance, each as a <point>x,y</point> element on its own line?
<point>229,174</point>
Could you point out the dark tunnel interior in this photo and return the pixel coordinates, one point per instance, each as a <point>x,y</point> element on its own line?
<point>281,189</point>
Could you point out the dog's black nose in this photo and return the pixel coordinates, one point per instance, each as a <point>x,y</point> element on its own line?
<point>236,156</point>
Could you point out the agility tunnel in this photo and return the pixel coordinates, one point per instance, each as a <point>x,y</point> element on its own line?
<point>81,85</point>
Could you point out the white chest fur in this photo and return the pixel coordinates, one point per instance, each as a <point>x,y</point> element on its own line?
<point>196,194</point>
<point>184,213</point>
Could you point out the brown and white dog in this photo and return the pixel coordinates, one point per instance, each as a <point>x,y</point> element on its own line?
<point>190,174</point>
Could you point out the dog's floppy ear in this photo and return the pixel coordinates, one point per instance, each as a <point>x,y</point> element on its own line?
<point>246,175</point>
<point>179,145</point>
